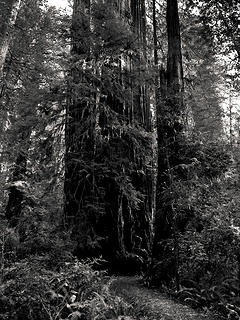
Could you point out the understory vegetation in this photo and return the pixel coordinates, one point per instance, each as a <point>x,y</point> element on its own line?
<point>34,290</point>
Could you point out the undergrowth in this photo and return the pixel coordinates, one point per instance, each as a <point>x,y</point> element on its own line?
<point>30,291</point>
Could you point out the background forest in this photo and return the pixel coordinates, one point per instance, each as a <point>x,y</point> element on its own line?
<point>119,146</point>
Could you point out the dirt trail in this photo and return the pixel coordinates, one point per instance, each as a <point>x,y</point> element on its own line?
<point>153,305</point>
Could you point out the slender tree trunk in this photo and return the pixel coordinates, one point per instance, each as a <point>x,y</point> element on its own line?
<point>231,135</point>
<point>8,23</point>
<point>155,34</point>
<point>174,62</point>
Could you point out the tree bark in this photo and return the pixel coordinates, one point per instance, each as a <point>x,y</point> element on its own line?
<point>79,134</point>
<point>174,59</point>
<point>115,228</point>
<point>170,125</point>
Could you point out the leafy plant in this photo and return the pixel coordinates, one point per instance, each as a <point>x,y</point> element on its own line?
<point>31,291</point>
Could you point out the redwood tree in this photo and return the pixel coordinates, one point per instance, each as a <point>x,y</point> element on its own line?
<point>107,186</point>
<point>170,124</point>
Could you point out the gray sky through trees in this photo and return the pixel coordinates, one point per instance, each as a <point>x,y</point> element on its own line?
<point>59,3</point>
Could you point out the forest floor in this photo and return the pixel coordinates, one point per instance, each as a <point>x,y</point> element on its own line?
<point>150,304</point>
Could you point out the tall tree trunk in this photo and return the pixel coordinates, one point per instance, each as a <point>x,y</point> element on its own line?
<point>141,114</point>
<point>79,131</point>
<point>117,226</point>
<point>174,64</point>
<point>170,117</point>
<point>133,224</point>
<point>7,24</point>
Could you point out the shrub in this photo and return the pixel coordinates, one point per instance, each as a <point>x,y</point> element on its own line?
<point>75,292</point>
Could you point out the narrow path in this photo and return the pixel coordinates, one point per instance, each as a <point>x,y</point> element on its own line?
<point>151,304</point>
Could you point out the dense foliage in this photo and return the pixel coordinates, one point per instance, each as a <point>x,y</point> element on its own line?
<point>75,291</point>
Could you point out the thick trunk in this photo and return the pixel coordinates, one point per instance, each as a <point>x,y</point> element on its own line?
<point>141,114</point>
<point>137,222</point>
<point>79,135</point>
<point>8,23</point>
<point>170,126</point>
<point>113,230</point>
